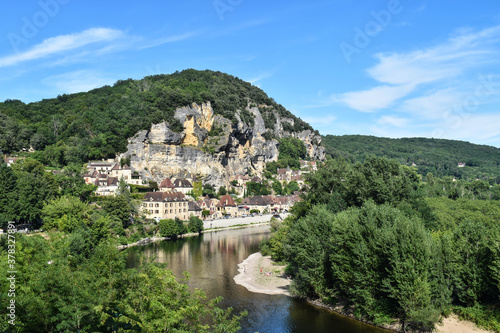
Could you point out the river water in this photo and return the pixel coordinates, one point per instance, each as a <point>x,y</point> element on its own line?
<point>212,260</point>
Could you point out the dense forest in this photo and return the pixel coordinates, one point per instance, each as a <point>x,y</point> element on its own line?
<point>388,247</point>
<point>437,156</point>
<point>93,125</point>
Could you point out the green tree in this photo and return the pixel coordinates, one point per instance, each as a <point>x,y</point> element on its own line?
<point>8,194</point>
<point>195,224</point>
<point>291,148</point>
<point>168,228</point>
<point>65,213</point>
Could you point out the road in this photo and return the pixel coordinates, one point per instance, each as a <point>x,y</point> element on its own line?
<point>223,223</point>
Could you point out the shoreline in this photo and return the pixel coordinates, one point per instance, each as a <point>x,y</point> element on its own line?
<point>250,277</point>
<point>148,240</point>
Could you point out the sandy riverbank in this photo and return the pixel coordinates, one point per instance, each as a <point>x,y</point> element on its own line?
<point>259,275</point>
<point>453,324</point>
<point>250,277</point>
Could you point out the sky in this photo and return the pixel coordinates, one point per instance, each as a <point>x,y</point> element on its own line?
<point>389,68</point>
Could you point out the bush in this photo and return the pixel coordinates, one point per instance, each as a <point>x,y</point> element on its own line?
<point>168,228</point>
<point>195,224</point>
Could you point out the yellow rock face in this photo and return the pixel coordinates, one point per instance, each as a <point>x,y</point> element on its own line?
<point>190,138</point>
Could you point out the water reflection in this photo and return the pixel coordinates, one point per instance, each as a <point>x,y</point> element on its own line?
<point>212,259</point>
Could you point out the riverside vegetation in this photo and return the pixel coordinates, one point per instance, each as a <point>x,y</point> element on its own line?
<point>389,248</point>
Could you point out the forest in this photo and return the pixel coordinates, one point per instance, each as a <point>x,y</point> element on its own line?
<point>437,156</point>
<point>389,246</point>
<point>79,127</point>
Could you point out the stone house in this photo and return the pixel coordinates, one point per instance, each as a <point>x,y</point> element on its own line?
<point>165,205</point>
<point>226,205</point>
<point>194,209</point>
<point>183,185</point>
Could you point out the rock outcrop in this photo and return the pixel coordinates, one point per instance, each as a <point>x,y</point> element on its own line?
<point>210,146</point>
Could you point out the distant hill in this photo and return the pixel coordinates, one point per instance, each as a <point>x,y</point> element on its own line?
<point>96,124</point>
<point>438,156</point>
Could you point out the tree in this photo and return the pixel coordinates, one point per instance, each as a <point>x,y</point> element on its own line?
<point>8,195</point>
<point>205,213</point>
<point>168,228</point>
<point>195,224</point>
<point>292,148</point>
<point>120,207</point>
<point>66,214</point>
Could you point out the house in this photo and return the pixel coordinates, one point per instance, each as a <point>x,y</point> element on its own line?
<point>11,160</point>
<point>282,203</point>
<point>284,174</point>
<point>461,165</point>
<point>194,209</point>
<point>308,166</point>
<point>226,205</point>
<point>112,169</point>
<point>165,205</point>
<point>262,203</point>
<point>106,185</point>
<point>241,179</point>
<point>208,204</point>
<point>183,185</point>
<point>166,185</point>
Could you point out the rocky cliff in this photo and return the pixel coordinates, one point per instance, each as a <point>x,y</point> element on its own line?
<point>211,146</point>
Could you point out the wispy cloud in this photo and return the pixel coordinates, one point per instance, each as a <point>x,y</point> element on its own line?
<point>394,121</point>
<point>63,43</point>
<point>259,77</point>
<point>401,73</point>
<point>166,40</point>
<point>320,120</point>
<point>375,98</point>
<point>78,81</point>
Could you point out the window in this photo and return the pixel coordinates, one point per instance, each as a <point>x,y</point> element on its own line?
<point>157,205</point>
<point>170,211</point>
<point>156,211</point>
<point>145,205</point>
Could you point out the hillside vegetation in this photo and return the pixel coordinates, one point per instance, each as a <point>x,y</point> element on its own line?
<point>438,156</point>
<point>93,125</point>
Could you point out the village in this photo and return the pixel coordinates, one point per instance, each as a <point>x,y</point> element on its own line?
<point>183,196</point>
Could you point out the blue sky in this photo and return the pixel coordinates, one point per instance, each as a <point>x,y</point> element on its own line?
<point>384,68</point>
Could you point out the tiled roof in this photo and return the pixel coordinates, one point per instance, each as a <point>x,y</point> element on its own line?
<point>192,206</point>
<point>164,196</point>
<point>166,183</point>
<point>226,201</point>
<point>258,200</point>
<point>182,183</point>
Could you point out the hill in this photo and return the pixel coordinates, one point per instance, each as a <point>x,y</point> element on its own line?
<point>96,124</point>
<point>438,156</point>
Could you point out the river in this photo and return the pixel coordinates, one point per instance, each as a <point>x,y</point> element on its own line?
<point>212,260</point>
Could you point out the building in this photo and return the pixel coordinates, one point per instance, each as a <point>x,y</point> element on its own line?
<point>194,209</point>
<point>262,203</point>
<point>111,169</point>
<point>183,185</point>
<point>166,185</point>
<point>106,185</point>
<point>208,204</point>
<point>165,205</point>
<point>226,206</point>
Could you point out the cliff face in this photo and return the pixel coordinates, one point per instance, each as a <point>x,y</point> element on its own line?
<point>210,146</point>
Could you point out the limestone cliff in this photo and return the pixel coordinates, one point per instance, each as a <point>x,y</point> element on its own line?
<point>211,146</point>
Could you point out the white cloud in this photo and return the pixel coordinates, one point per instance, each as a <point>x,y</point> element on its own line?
<point>393,121</point>
<point>259,77</point>
<point>78,81</point>
<point>401,73</point>
<point>434,105</point>
<point>59,44</point>
<point>375,98</point>
<point>320,120</point>
<point>167,39</point>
